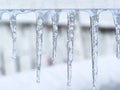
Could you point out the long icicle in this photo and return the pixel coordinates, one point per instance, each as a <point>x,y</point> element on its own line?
<point>13,29</point>
<point>94,45</point>
<point>116,18</point>
<point>70,42</point>
<point>39,42</point>
<point>55,19</point>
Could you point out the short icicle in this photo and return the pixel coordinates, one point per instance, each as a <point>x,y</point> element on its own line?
<point>55,19</point>
<point>13,29</point>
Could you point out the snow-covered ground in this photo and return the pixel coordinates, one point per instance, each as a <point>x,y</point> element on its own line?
<point>54,78</point>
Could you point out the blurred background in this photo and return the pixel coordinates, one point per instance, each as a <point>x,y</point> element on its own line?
<point>26,41</point>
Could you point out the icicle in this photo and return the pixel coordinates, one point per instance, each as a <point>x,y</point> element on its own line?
<point>116,18</point>
<point>13,29</point>
<point>55,19</point>
<point>70,36</point>
<point>39,42</point>
<point>94,17</point>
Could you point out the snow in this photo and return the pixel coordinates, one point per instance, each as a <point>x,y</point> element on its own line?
<point>51,4</point>
<point>54,78</point>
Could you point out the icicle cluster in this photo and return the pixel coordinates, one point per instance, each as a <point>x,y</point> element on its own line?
<point>94,14</point>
